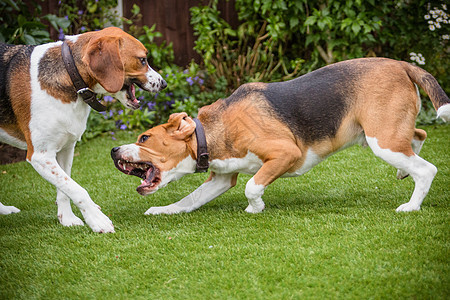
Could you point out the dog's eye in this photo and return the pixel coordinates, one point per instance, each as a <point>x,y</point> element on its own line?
<point>143,61</point>
<point>143,138</point>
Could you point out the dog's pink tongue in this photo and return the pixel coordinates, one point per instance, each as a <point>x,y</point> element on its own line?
<point>148,178</point>
<point>132,95</point>
<point>133,92</point>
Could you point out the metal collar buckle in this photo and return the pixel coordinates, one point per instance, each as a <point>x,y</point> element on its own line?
<point>84,90</point>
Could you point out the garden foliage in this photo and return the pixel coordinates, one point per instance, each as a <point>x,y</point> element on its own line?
<point>21,23</point>
<point>275,40</point>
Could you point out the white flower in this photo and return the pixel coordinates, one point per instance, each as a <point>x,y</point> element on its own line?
<point>427,17</point>
<point>445,37</point>
<point>432,27</point>
<point>417,57</point>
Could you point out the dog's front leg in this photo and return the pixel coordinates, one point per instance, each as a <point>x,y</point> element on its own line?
<point>65,214</point>
<point>268,173</point>
<point>214,186</point>
<point>44,162</point>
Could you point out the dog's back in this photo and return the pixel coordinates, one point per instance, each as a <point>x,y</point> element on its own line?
<point>11,57</point>
<point>314,105</point>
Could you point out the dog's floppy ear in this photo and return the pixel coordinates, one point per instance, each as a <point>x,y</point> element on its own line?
<point>104,62</point>
<point>180,126</point>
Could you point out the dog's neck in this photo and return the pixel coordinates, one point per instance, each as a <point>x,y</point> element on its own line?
<point>83,90</point>
<point>213,134</point>
<point>77,54</point>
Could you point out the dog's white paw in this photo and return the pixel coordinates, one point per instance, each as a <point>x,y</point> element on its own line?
<point>98,221</point>
<point>6,210</point>
<point>401,174</point>
<point>163,210</point>
<point>255,209</point>
<point>69,219</point>
<point>406,207</point>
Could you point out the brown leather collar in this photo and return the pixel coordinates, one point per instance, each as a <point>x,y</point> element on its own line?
<point>202,149</point>
<point>88,95</point>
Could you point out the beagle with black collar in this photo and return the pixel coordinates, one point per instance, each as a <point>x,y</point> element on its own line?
<point>45,96</point>
<point>284,129</point>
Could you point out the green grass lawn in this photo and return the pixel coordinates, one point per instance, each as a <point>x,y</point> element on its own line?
<point>331,233</point>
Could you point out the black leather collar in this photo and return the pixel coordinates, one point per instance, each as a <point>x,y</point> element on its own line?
<point>88,95</point>
<point>202,149</point>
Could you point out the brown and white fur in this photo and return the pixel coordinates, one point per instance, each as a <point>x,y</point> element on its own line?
<point>284,129</point>
<point>41,112</point>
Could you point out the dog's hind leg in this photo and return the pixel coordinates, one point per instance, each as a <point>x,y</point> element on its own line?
<point>65,214</point>
<point>419,138</point>
<point>410,163</point>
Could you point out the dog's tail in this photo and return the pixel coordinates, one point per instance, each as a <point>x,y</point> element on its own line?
<point>429,84</point>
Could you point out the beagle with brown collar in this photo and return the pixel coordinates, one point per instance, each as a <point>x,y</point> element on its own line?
<point>284,129</point>
<point>46,94</point>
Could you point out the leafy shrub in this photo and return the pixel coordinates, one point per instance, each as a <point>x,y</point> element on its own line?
<point>20,23</point>
<point>250,53</point>
<point>88,15</point>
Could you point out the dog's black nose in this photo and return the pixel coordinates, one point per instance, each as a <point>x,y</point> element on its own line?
<point>163,84</point>
<point>114,151</point>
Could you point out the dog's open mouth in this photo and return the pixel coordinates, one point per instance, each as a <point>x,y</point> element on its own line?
<point>132,102</point>
<point>151,176</point>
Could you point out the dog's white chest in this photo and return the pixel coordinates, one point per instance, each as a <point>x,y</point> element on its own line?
<point>249,164</point>
<point>51,119</point>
